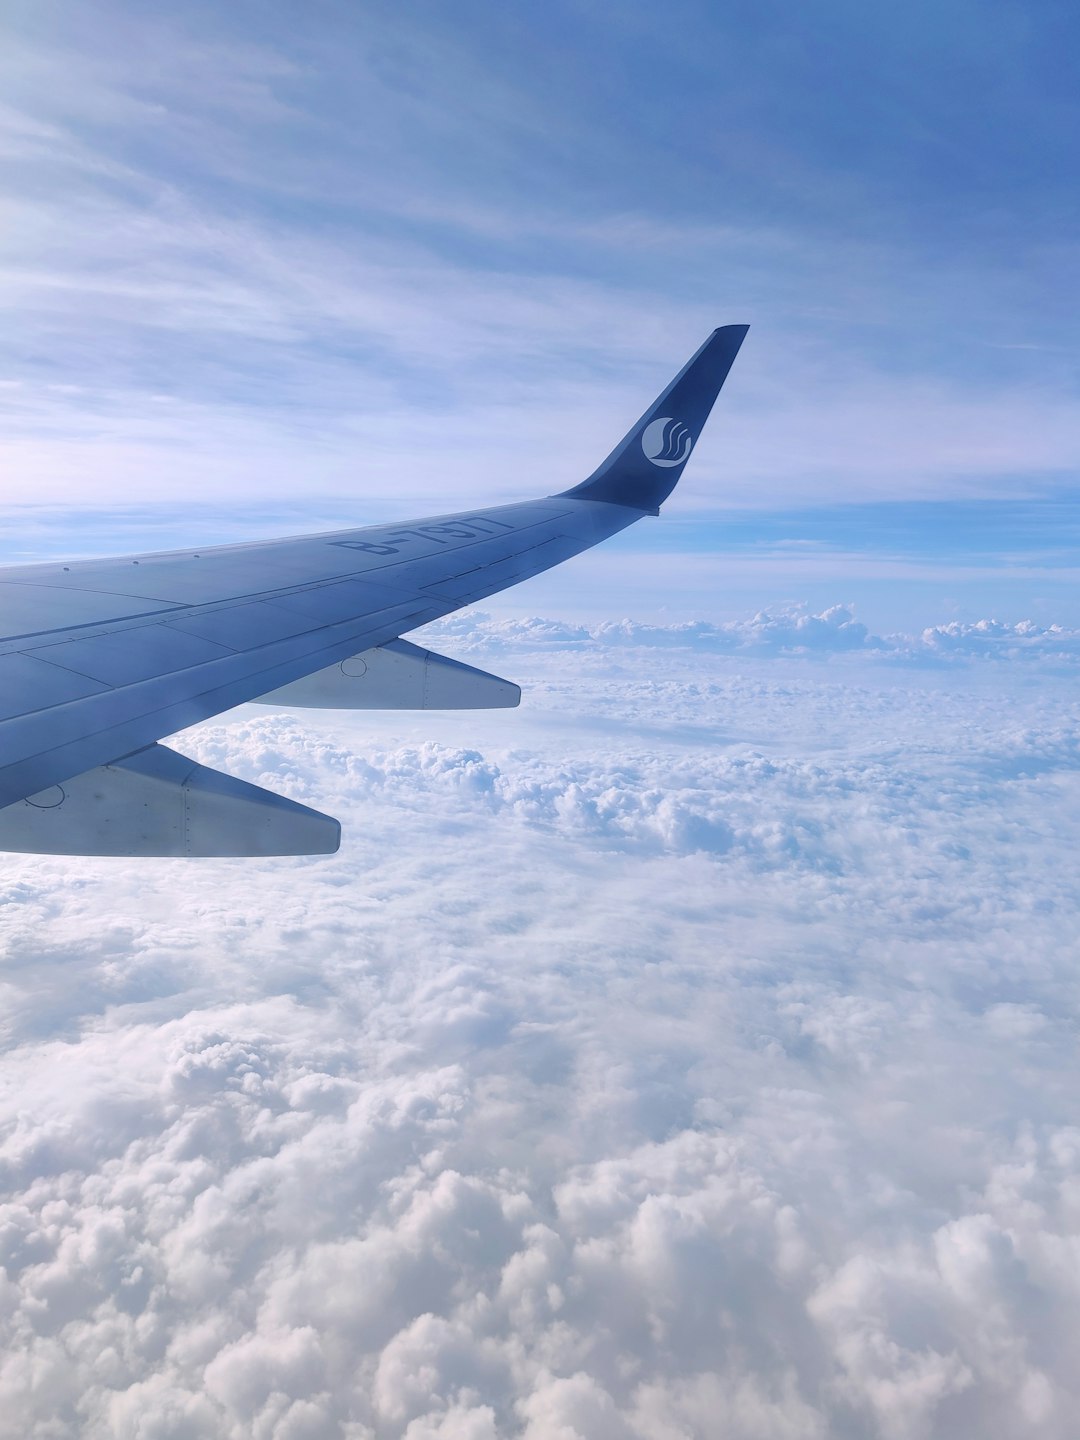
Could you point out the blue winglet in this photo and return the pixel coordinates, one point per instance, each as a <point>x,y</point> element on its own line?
<point>645,466</point>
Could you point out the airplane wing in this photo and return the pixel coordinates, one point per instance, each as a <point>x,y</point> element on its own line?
<point>100,659</point>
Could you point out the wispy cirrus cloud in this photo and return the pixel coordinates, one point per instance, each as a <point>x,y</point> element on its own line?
<point>220,256</point>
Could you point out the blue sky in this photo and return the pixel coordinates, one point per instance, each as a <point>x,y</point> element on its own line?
<point>398,259</point>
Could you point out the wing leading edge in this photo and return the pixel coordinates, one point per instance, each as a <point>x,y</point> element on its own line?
<point>99,660</point>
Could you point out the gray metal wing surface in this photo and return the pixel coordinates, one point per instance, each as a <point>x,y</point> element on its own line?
<point>101,659</point>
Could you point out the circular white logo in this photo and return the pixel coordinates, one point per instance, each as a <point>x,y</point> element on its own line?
<point>666,441</point>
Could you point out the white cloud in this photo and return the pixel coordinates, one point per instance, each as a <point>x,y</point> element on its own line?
<point>995,637</point>
<point>783,630</point>
<point>707,1066</point>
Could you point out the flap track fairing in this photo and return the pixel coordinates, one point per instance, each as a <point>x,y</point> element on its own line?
<point>397,676</point>
<point>158,802</point>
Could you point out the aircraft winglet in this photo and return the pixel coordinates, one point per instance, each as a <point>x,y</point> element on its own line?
<point>645,466</point>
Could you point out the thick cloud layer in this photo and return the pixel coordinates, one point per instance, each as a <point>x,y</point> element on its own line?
<point>784,630</point>
<point>689,1053</point>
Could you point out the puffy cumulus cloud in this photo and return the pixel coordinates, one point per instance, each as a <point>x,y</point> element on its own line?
<point>689,1053</point>
<point>997,638</point>
<point>791,629</point>
<point>783,631</point>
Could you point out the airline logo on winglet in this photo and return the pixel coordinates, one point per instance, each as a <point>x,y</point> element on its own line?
<point>666,442</point>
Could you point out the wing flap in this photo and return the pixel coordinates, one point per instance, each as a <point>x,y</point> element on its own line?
<point>27,682</point>
<point>242,627</point>
<point>338,601</point>
<point>28,610</point>
<point>124,657</point>
<point>398,676</point>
